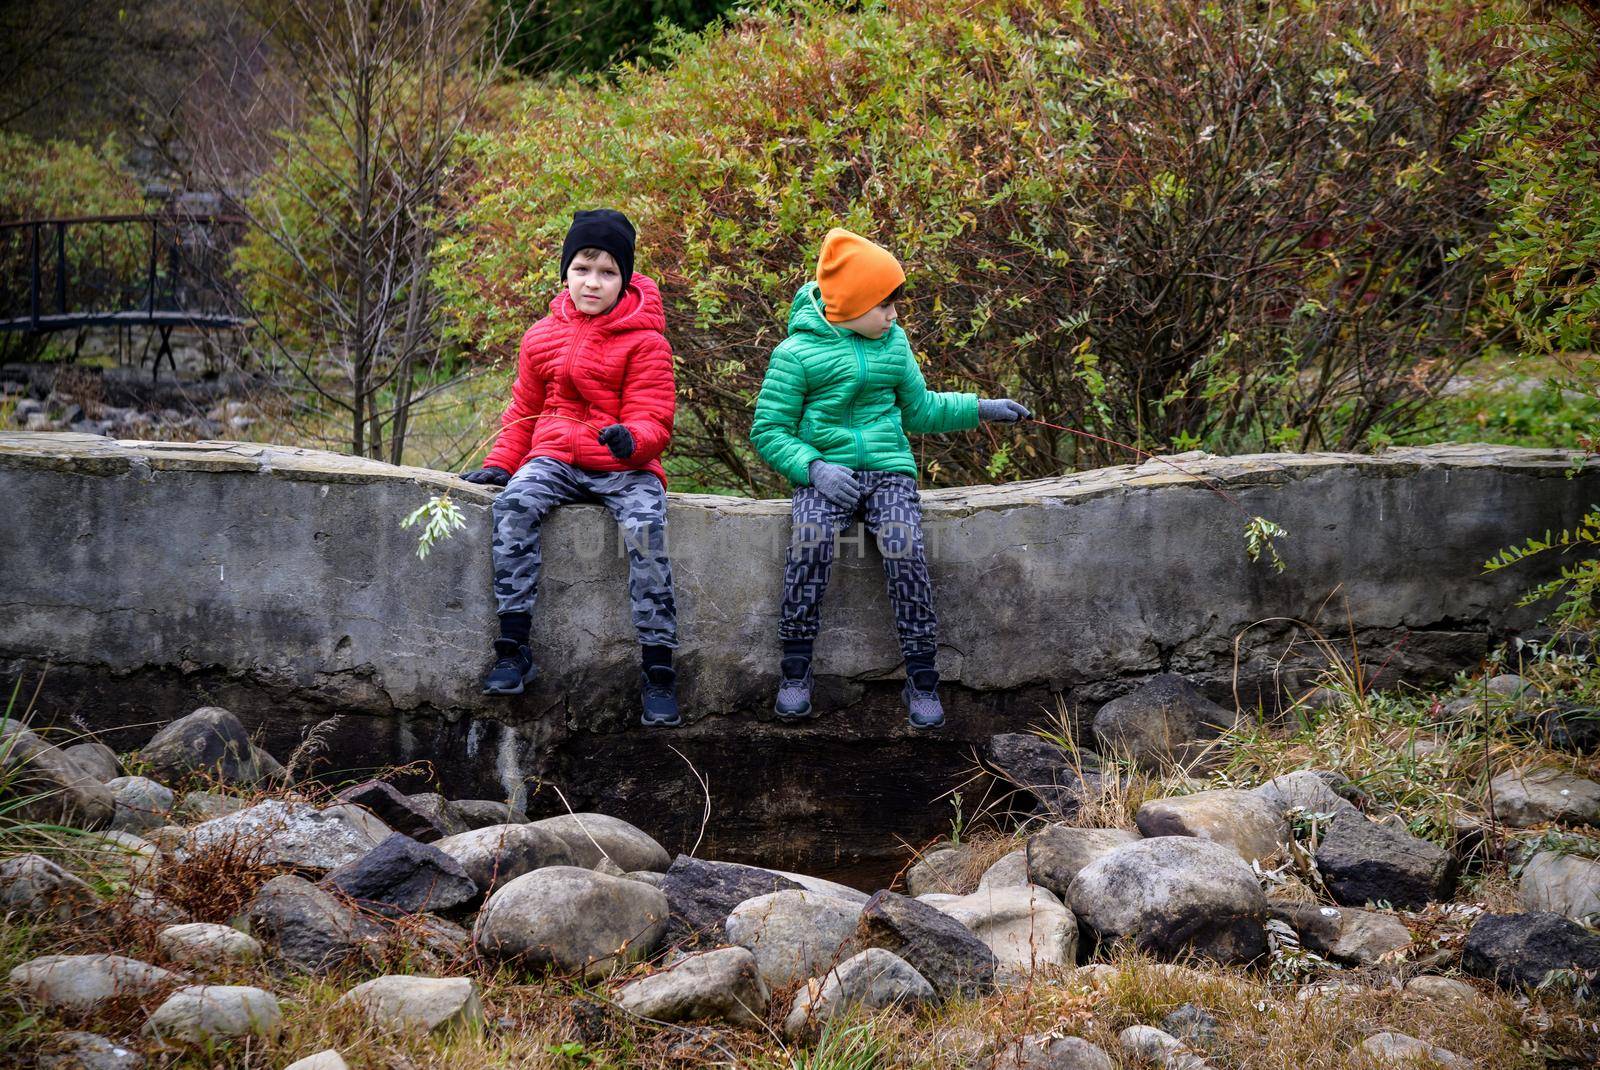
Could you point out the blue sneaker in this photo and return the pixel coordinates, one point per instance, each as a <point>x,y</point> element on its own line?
<point>513,667</point>
<point>658,692</point>
<point>923,708</point>
<point>794,690</point>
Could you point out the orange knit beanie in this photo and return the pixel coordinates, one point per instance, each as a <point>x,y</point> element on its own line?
<point>854,275</point>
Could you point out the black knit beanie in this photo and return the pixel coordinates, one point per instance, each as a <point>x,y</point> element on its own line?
<point>600,228</point>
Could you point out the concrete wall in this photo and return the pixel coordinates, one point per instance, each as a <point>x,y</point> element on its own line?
<point>151,577</point>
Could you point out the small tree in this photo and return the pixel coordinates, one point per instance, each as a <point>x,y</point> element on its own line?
<point>358,105</point>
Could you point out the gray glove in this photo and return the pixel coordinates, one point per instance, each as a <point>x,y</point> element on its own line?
<point>836,483</point>
<point>1002,410</point>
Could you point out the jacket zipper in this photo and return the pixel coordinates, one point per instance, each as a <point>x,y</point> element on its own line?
<point>861,385</point>
<point>566,377</point>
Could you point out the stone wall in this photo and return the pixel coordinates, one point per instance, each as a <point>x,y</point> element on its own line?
<point>153,577</point>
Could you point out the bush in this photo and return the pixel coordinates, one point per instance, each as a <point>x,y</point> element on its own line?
<point>590,35</point>
<point>1169,222</point>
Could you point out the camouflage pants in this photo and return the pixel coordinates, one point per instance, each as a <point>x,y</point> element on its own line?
<point>892,511</point>
<point>637,501</point>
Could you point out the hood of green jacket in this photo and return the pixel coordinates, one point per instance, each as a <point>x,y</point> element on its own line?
<point>806,317</point>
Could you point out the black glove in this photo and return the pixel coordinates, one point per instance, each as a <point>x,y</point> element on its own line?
<point>497,477</point>
<point>617,439</point>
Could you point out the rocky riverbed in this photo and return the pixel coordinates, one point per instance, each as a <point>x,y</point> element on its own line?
<point>1159,900</point>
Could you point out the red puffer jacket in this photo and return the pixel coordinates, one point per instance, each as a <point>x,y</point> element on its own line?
<point>614,368</point>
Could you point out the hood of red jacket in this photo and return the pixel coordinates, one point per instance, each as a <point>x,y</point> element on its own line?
<point>638,309</point>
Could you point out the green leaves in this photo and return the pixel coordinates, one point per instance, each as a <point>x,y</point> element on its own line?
<point>439,517</point>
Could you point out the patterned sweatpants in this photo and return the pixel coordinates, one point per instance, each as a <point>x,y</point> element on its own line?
<point>637,501</point>
<point>891,510</point>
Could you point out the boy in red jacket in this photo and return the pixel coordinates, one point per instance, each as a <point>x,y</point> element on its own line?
<point>591,411</point>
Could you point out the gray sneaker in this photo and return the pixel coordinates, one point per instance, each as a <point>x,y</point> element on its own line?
<point>794,691</point>
<point>923,708</point>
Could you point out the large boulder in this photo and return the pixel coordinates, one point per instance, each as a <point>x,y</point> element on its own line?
<point>1026,927</point>
<point>495,854</point>
<point>1250,824</point>
<point>1541,796</point>
<point>1059,781</point>
<point>403,1003</point>
<point>1520,950</point>
<point>794,935</point>
<point>1010,870</point>
<point>1047,1051</point>
<point>1364,862</point>
<point>1311,790</point>
<point>80,985</point>
<point>95,759</point>
<point>309,928</point>
<point>209,744</point>
<point>592,837</point>
<point>952,959</point>
<point>402,876</point>
<point>720,984</point>
<point>36,888</point>
<point>195,806</point>
<point>1562,884</point>
<point>415,817</point>
<point>947,869</point>
<point>207,947</point>
<point>38,782</point>
<point>282,835</point>
<point>702,894</point>
<point>481,813</point>
<point>140,803</point>
<point>1399,1050</point>
<point>1344,934</point>
<point>1147,1045</point>
<point>1165,720</point>
<point>1174,895</point>
<point>1057,854</point>
<point>870,980</point>
<point>201,1014</point>
<point>571,919</point>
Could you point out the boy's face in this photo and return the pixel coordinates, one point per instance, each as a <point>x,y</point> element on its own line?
<point>594,281</point>
<point>875,322</point>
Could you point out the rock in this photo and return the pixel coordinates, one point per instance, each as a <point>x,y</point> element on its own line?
<point>1354,937</point>
<point>205,805</point>
<point>166,837</point>
<point>1045,1051</point>
<point>282,835</point>
<point>1544,795</point>
<point>208,743</point>
<point>1249,824</point>
<point>417,817</point>
<point>40,783</point>
<point>360,819</point>
<point>87,1051</point>
<point>952,959</point>
<point>118,857</point>
<point>939,869</point>
<point>1026,927</point>
<point>139,803</point>
<point>1508,685</point>
<point>1057,854</point>
<point>1562,884</point>
<point>1147,1044</point>
<point>309,928</point>
<point>144,907</point>
<point>449,944</point>
<point>1192,1025</point>
<point>870,980</point>
<point>36,888</point>
<point>794,935</point>
<point>1059,781</point>
<point>1572,727</point>
<point>438,810</point>
<point>495,854</point>
<point>823,886</point>
<point>403,876</point>
<point>1161,722</point>
<point>83,984</point>
<point>1520,950</point>
<point>1010,871</point>
<point>595,836</point>
<point>482,813</point>
<point>1174,895</point>
<point>206,946</point>
<point>417,1004</point>
<point>571,919</point>
<point>1399,1050</point>
<point>329,1059</point>
<point>269,771</point>
<point>96,760</point>
<point>1364,862</point>
<point>1311,790</point>
<point>702,894</point>
<point>721,984</point>
<point>201,1013</point>
<point>647,876</point>
<point>1442,989</point>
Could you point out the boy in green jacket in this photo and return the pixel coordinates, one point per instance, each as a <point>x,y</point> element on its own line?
<point>840,395</point>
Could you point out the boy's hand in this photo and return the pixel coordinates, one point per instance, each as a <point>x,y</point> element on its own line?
<point>617,439</point>
<point>1002,410</point>
<point>836,483</point>
<point>496,477</point>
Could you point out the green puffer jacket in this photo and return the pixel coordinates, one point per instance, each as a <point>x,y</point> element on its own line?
<point>829,393</point>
